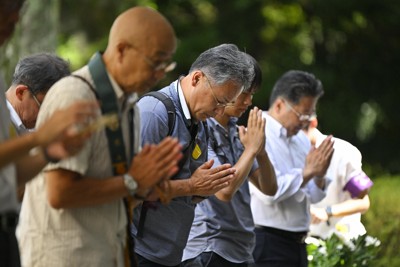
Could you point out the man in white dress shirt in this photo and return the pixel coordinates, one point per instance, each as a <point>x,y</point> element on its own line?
<point>282,220</point>
<point>347,195</point>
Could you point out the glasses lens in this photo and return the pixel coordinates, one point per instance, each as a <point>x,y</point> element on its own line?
<point>307,117</point>
<point>166,67</point>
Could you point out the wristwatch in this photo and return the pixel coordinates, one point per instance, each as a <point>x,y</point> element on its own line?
<point>328,211</point>
<point>130,184</point>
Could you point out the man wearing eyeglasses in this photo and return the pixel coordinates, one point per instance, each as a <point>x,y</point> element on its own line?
<point>282,221</point>
<point>73,213</point>
<point>215,79</point>
<point>22,157</point>
<point>33,77</point>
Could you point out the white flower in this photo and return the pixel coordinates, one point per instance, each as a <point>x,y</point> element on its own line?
<point>369,241</point>
<point>314,241</point>
<point>322,250</point>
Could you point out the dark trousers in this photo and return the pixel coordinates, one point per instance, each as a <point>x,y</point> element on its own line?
<point>211,259</point>
<point>9,252</point>
<point>143,262</point>
<point>275,250</point>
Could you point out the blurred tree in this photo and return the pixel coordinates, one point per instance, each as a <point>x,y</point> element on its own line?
<point>36,32</point>
<point>351,46</point>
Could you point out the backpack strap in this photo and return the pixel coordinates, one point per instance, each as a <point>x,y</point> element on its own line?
<point>169,105</point>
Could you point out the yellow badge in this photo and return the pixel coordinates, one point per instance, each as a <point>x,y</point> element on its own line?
<point>196,152</point>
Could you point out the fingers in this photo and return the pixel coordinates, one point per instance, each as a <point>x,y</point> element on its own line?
<point>251,121</point>
<point>255,119</point>
<point>221,183</point>
<point>207,165</point>
<point>222,168</point>
<point>242,132</point>
<point>326,146</point>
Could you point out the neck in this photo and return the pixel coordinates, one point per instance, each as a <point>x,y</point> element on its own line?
<point>223,120</point>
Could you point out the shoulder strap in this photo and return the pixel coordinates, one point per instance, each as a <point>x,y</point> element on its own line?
<point>105,94</point>
<point>108,103</point>
<point>169,105</point>
<point>88,84</point>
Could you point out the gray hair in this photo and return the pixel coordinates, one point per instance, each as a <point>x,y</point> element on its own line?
<point>296,84</point>
<point>225,63</point>
<point>40,71</point>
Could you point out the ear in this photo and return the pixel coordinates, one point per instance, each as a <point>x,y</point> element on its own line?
<point>314,123</point>
<point>121,50</point>
<point>20,90</point>
<point>196,76</point>
<point>279,104</point>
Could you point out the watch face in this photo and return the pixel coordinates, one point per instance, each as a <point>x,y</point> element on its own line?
<point>130,183</point>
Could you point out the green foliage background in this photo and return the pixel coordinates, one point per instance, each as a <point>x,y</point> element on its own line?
<point>352,46</point>
<point>382,220</point>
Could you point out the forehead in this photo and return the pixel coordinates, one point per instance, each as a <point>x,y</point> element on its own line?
<point>229,90</point>
<point>162,48</point>
<point>307,104</point>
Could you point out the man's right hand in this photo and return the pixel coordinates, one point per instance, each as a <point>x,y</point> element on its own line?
<point>206,181</point>
<point>318,160</point>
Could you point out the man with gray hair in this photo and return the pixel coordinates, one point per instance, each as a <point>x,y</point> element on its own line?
<point>215,79</point>
<point>33,77</point>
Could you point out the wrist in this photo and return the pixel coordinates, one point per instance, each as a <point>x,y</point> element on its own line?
<point>262,154</point>
<point>328,211</point>
<point>130,184</point>
<point>48,157</point>
<point>133,188</point>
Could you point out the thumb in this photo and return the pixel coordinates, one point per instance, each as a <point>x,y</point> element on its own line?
<point>242,131</point>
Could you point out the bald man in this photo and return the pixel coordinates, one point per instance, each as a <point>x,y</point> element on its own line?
<point>73,213</point>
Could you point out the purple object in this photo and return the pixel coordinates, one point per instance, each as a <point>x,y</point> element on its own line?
<point>358,184</point>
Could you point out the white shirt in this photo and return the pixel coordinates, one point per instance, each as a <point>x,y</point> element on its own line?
<point>16,120</point>
<point>345,163</point>
<point>288,209</point>
<point>8,183</point>
<point>87,236</point>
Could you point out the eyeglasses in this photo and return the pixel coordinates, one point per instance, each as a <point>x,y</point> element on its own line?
<point>34,98</point>
<point>219,104</point>
<point>164,66</point>
<point>302,117</point>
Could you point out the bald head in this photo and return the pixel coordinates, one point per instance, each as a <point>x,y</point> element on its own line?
<point>150,35</point>
<point>140,26</point>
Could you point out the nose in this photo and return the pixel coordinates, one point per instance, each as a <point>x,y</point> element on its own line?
<point>248,100</point>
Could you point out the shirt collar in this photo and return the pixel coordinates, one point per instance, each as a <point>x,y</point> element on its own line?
<point>275,126</point>
<point>182,99</point>
<point>124,100</point>
<point>16,120</point>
